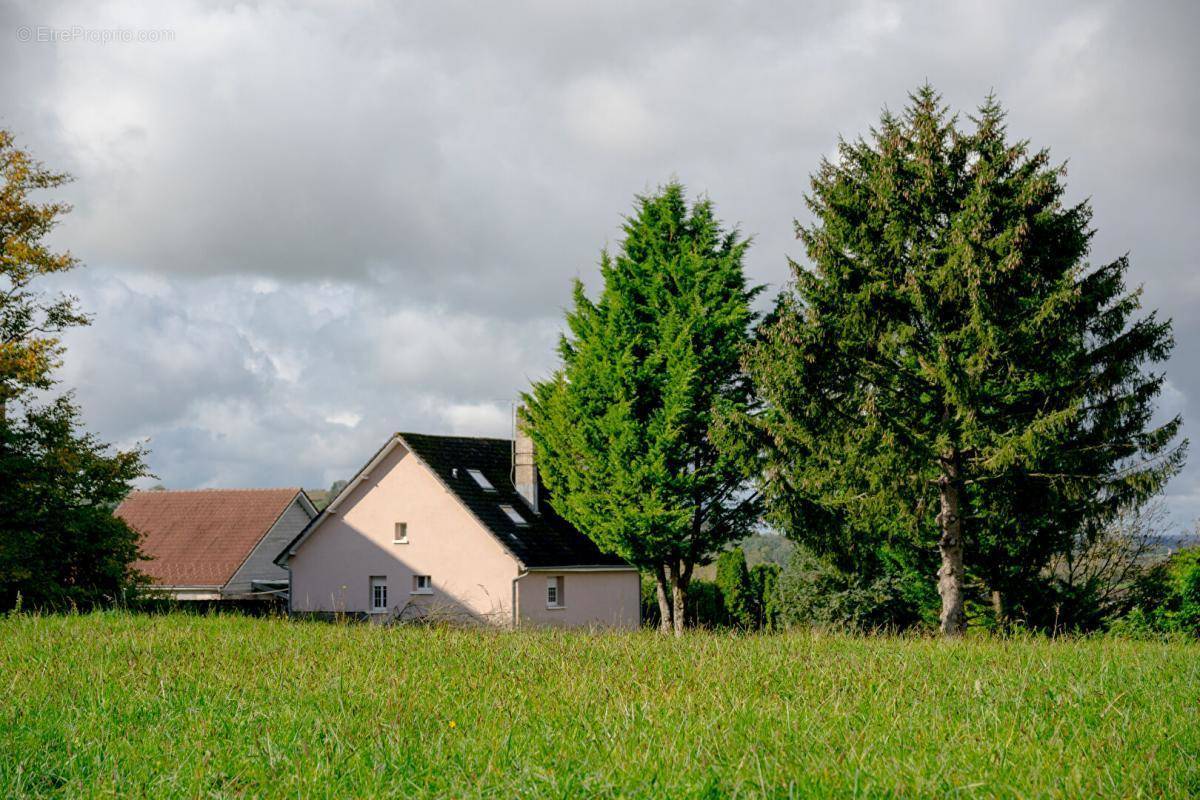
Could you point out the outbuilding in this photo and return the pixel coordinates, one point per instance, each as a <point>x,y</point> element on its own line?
<point>216,544</point>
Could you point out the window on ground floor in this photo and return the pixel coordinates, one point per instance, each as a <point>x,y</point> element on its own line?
<point>422,584</point>
<point>379,601</point>
<point>554,592</point>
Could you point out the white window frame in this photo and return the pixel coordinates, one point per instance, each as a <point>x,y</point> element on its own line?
<point>554,589</point>
<point>422,584</point>
<point>514,516</point>
<point>400,533</point>
<point>481,481</point>
<point>376,583</point>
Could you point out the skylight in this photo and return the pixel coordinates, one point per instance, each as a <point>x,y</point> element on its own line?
<point>514,515</point>
<point>482,480</point>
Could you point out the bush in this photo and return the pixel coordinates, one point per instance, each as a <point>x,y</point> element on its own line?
<point>705,604</point>
<point>814,592</point>
<point>1167,598</point>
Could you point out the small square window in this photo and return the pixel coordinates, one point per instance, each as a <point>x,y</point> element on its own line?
<point>482,480</point>
<point>554,592</point>
<point>379,598</point>
<point>513,515</point>
<point>422,584</point>
<point>401,533</point>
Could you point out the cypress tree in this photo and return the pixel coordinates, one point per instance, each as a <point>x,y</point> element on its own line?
<point>626,429</point>
<point>733,578</point>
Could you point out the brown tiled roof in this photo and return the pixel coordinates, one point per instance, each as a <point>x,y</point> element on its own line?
<point>201,537</point>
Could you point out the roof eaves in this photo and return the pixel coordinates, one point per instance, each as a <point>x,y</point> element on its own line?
<point>396,438</point>
<point>585,568</point>
<point>325,513</point>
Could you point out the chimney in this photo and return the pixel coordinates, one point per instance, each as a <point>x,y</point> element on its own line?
<point>524,468</point>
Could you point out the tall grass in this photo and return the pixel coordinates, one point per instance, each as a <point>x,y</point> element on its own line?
<point>113,704</point>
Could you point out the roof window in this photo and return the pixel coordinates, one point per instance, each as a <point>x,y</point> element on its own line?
<point>513,515</point>
<point>482,480</point>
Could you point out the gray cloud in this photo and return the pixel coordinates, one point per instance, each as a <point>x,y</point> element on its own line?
<point>303,213</point>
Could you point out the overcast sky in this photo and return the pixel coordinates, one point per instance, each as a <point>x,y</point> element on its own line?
<point>308,225</point>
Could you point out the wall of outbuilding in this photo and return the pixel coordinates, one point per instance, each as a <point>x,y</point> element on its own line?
<point>610,599</point>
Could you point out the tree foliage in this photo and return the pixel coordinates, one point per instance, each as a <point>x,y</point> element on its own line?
<point>814,592</point>
<point>60,545</point>
<point>626,428</point>
<point>733,578</point>
<point>764,584</point>
<point>951,386</point>
<point>59,542</point>
<point>1166,598</point>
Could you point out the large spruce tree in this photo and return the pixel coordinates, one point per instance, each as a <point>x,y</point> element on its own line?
<point>951,383</point>
<point>626,430</point>
<point>60,545</point>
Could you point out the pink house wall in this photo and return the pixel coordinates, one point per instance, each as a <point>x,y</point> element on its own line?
<point>604,599</point>
<point>472,573</point>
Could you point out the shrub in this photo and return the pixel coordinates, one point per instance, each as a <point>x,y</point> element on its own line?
<point>733,580</point>
<point>705,603</point>
<point>814,592</point>
<point>1168,598</point>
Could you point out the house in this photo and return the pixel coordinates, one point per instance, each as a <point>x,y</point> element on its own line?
<point>456,528</point>
<point>216,544</point>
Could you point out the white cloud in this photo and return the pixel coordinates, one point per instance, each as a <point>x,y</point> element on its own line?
<point>296,215</point>
<point>234,386</point>
<point>478,419</point>
<point>347,419</point>
<point>609,114</point>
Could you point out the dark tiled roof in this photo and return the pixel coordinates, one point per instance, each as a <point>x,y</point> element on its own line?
<point>201,537</point>
<point>547,541</point>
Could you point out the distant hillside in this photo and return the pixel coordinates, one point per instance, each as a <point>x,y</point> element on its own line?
<point>323,497</point>
<point>761,548</point>
<point>767,548</point>
<point>1168,543</point>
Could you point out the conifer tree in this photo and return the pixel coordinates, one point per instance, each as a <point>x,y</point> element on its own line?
<point>951,377</point>
<point>626,429</point>
<point>764,584</point>
<point>733,578</point>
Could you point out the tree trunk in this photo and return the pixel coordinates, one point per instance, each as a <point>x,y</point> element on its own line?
<point>998,607</point>
<point>664,602</point>
<point>679,582</point>
<point>951,574</point>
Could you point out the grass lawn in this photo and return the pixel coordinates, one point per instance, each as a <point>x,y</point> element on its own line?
<point>184,706</point>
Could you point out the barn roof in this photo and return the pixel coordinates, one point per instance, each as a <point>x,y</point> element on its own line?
<point>201,537</point>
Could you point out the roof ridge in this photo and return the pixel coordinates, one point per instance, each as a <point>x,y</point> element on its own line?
<point>218,489</point>
<point>447,436</point>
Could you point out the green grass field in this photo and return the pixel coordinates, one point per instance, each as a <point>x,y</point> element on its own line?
<point>185,706</point>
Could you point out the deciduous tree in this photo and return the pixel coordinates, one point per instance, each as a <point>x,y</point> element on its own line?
<point>59,542</point>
